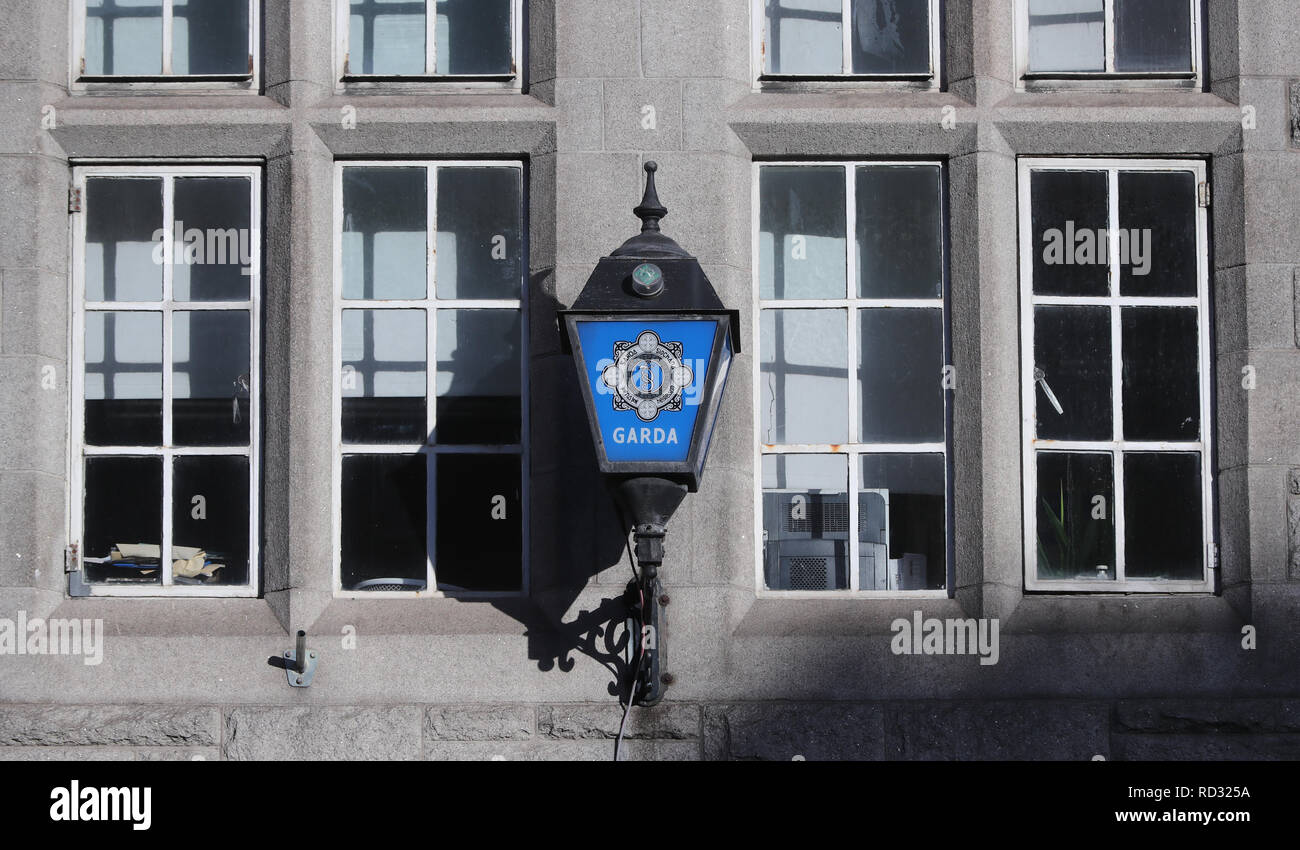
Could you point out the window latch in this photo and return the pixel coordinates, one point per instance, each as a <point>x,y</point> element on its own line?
<point>1040,377</point>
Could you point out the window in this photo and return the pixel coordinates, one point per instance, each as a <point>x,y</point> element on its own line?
<point>1115,38</point>
<point>851,380</point>
<point>1115,360</point>
<point>859,39</point>
<point>162,40</point>
<point>431,261</point>
<point>465,39</point>
<point>165,341</point>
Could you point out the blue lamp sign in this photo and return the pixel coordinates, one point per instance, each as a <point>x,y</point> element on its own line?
<point>652,343</point>
<point>649,384</point>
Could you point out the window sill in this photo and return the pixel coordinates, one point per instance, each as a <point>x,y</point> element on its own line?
<point>1177,82</point>
<point>173,617</point>
<point>223,85</point>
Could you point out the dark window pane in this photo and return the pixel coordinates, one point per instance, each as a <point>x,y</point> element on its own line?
<point>804,376</point>
<point>385,214</point>
<point>1073,360</point>
<point>480,523</point>
<point>1162,388</point>
<point>123,38</point>
<point>901,375</point>
<point>1163,532</point>
<point>386,37</point>
<point>891,36</point>
<point>123,380</point>
<point>901,523</point>
<point>806,522</point>
<point>1157,220</point>
<point>1076,526</point>
<point>211,378</point>
<point>802,232</point>
<point>124,239</point>
<point>210,37</point>
<point>804,37</point>
<point>478,376</point>
<point>1067,35</point>
<point>214,258</point>
<point>900,227</point>
<point>122,535</point>
<point>210,515</point>
<point>1070,227</point>
<point>385,525</point>
<point>473,37</point>
<point>480,248</point>
<point>1153,35</point>
<point>383,379</point>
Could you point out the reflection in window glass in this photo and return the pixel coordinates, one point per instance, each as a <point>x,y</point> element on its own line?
<point>902,522</point>
<point>804,379</point>
<point>1075,524</point>
<point>383,379</point>
<point>123,228</point>
<point>473,37</point>
<point>210,378</point>
<point>1119,428</point>
<point>124,37</point>
<point>480,528</point>
<point>801,232</point>
<point>210,520</point>
<point>1157,221</point>
<point>386,37</point>
<point>214,259</point>
<point>122,530</point>
<point>384,522</point>
<point>1162,375</point>
<point>900,375</point>
<point>1163,530</point>
<point>1070,212</point>
<point>456,411</point>
<point>1152,35</point>
<point>123,378</point>
<point>1067,35</point>
<point>210,37</point>
<point>804,36</point>
<point>899,232</point>
<point>1072,356</point>
<point>480,247</point>
<point>384,233</point>
<point>478,376</point>
<point>891,36</point>
<point>805,522</point>
<point>889,334</point>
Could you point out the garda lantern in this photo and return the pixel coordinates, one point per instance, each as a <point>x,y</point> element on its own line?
<point>652,343</point>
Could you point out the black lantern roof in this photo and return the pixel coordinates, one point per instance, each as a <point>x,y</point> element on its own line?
<point>682,288</point>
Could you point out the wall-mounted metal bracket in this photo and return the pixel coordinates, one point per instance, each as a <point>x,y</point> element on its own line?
<point>300,663</point>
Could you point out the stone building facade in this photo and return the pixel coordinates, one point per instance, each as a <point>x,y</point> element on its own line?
<point>595,89</point>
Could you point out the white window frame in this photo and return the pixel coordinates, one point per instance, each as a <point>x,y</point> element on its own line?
<point>431,304</point>
<point>1109,77</point>
<point>345,78</point>
<point>166,81</point>
<point>1030,444</point>
<point>930,80</point>
<point>850,449</point>
<point>76,401</point>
